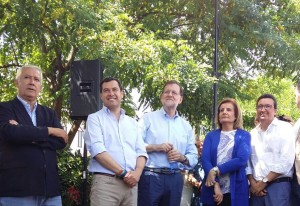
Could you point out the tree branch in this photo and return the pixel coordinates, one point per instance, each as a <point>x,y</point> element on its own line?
<point>73,131</point>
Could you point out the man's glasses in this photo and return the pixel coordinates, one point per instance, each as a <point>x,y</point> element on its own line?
<point>266,106</point>
<point>172,92</point>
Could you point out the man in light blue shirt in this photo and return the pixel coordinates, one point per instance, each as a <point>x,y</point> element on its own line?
<point>171,148</point>
<point>117,150</point>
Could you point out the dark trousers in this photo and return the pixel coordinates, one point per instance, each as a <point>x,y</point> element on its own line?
<point>159,189</point>
<point>226,201</point>
<point>295,194</point>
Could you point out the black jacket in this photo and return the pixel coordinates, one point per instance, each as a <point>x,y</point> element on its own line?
<point>28,162</point>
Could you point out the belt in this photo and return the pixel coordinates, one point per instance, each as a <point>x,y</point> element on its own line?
<point>106,174</point>
<point>165,170</point>
<point>281,179</point>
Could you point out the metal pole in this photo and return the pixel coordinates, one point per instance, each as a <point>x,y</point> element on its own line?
<point>215,74</point>
<point>84,173</point>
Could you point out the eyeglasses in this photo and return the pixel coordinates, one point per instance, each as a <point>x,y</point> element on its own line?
<point>172,92</point>
<point>266,106</point>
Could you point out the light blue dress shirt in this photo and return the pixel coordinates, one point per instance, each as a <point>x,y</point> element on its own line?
<point>157,128</point>
<point>32,113</point>
<point>121,139</point>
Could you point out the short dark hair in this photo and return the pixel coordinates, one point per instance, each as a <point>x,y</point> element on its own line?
<point>268,96</point>
<point>174,82</point>
<point>109,79</point>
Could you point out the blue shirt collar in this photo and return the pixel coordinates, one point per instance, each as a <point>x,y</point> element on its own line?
<point>166,114</point>
<point>26,104</point>
<point>109,112</point>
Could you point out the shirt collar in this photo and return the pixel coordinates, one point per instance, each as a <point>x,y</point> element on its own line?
<point>109,112</point>
<point>275,122</point>
<point>26,104</point>
<point>166,114</point>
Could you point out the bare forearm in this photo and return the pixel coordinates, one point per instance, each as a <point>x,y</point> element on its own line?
<point>140,164</point>
<point>251,179</point>
<point>108,162</point>
<point>272,175</point>
<point>165,147</point>
<point>152,148</point>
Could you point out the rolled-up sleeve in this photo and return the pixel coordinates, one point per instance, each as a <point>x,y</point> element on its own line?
<point>93,136</point>
<point>141,147</point>
<point>191,150</point>
<point>284,161</point>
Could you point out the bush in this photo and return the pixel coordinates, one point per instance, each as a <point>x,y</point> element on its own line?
<point>70,167</point>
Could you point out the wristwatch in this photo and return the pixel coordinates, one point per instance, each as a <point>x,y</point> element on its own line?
<point>265,180</point>
<point>184,159</point>
<point>216,170</point>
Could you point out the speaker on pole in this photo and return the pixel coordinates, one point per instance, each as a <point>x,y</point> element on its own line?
<point>85,80</point>
<point>86,76</point>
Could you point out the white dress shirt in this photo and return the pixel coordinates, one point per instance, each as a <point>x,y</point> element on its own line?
<point>273,150</point>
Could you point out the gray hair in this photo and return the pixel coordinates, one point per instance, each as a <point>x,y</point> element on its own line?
<point>19,71</point>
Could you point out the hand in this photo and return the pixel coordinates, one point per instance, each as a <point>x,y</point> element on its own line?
<point>165,147</point>
<point>13,122</point>
<point>190,178</point>
<point>174,155</point>
<point>211,178</point>
<point>193,181</point>
<point>132,178</point>
<point>258,188</point>
<point>262,193</point>
<point>218,196</point>
<point>57,132</point>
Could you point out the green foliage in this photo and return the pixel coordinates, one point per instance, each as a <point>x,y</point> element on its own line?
<point>7,77</point>
<point>282,89</point>
<point>144,43</point>
<point>70,170</point>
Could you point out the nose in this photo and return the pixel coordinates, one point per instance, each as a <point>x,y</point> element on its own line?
<point>31,80</point>
<point>263,108</point>
<point>110,92</point>
<point>224,111</point>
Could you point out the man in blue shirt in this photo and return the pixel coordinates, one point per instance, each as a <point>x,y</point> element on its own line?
<point>117,150</point>
<point>171,148</point>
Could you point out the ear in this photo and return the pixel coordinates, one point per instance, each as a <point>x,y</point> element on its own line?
<point>160,97</point>
<point>122,94</point>
<point>100,95</point>
<point>16,82</point>
<point>180,100</point>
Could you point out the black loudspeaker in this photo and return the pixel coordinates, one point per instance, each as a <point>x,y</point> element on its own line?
<point>86,76</point>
